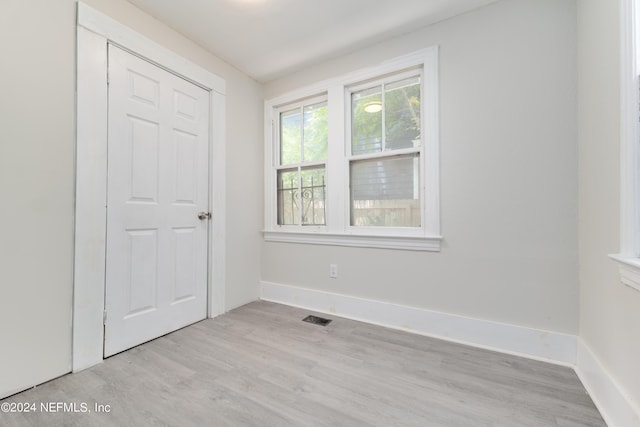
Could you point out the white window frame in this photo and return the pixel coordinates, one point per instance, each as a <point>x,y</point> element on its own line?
<point>350,157</point>
<point>338,231</point>
<point>629,256</point>
<point>301,165</point>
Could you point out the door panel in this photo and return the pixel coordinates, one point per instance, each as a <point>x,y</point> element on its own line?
<point>141,279</point>
<point>143,163</point>
<point>186,167</point>
<point>184,284</point>
<point>158,182</point>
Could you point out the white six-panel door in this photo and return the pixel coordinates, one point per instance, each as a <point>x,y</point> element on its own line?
<point>157,184</point>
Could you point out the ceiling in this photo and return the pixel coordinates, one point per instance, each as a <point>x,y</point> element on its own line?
<point>268,39</point>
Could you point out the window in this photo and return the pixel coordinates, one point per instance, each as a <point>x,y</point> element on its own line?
<point>302,137</point>
<point>353,161</point>
<point>629,256</point>
<point>384,166</point>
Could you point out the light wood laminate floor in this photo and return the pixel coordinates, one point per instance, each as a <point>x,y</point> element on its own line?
<point>260,365</point>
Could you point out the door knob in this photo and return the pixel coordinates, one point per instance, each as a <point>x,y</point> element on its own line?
<point>204,215</point>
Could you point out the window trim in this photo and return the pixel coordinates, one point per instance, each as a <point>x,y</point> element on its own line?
<point>629,256</point>
<point>428,243</point>
<point>338,231</point>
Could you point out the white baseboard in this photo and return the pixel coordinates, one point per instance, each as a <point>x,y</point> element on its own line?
<point>532,343</point>
<point>564,349</point>
<point>616,409</point>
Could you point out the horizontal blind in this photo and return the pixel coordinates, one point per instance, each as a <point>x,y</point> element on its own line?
<point>392,178</point>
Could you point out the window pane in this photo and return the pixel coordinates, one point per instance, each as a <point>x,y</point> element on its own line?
<point>290,137</point>
<point>385,192</point>
<point>315,132</point>
<point>402,114</point>
<point>288,197</point>
<point>366,121</point>
<point>313,196</point>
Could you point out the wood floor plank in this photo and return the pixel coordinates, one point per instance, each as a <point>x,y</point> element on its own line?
<point>260,365</point>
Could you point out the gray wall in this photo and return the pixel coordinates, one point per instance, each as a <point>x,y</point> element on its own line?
<point>609,311</point>
<point>38,44</point>
<point>509,175</point>
<point>509,180</point>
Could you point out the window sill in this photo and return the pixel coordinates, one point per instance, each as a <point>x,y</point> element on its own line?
<point>629,270</point>
<point>412,243</point>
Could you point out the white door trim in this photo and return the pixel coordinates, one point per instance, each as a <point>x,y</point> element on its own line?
<point>94,31</point>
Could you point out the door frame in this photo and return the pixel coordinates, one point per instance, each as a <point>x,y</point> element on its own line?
<point>94,31</point>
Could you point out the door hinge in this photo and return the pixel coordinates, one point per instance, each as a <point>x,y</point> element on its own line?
<point>104,317</point>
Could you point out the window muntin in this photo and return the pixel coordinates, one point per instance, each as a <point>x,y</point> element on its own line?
<point>385,118</point>
<point>302,147</point>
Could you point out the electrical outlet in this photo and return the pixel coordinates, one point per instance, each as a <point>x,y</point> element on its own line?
<point>333,271</point>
